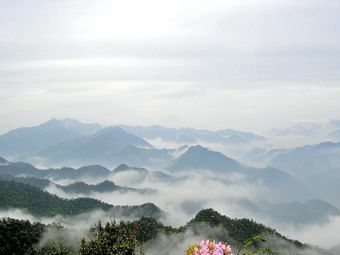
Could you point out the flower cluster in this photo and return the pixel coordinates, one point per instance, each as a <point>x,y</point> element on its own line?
<point>209,247</point>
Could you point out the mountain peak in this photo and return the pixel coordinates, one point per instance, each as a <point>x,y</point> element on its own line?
<point>124,167</point>
<point>111,131</point>
<point>121,167</point>
<point>95,169</point>
<point>72,125</point>
<point>121,137</point>
<point>106,185</point>
<point>199,157</point>
<point>197,148</point>
<point>204,151</point>
<point>185,146</point>
<point>30,140</point>
<point>80,127</point>
<point>51,122</point>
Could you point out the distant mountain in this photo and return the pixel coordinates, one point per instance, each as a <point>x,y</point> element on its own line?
<point>25,169</point>
<point>124,167</point>
<point>33,181</point>
<point>313,211</point>
<point>70,142</point>
<point>117,138</point>
<point>94,172</point>
<point>30,140</point>
<point>109,146</point>
<point>309,158</point>
<point>20,168</point>
<point>85,172</point>
<point>80,188</point>
<point>179,151</point>
<point>261,155</point>
<point>282,186</point>
<point>317,132</point>
<point>190,135</point>
<point>27,141</point>
<point>234,136</point>
<point>43,204</point>
<point>105,141</point>
<point>300,129</point>
<point>79,127</point>
<point>308,212</point>
<point>139,175</point>
<point>198,157</point>
<point>160,176</point>
<point>316,166</point>
<point>105,186</point>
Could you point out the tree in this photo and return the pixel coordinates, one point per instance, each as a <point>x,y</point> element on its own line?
<point>113,239</point>
<point>19,236</point>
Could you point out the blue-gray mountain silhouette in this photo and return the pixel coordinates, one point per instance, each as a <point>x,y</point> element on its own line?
<point>31,140</point>
<point>198,157</point>
<point>191,135</point>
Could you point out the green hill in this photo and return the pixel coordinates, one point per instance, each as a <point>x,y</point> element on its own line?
<point>150,232</point>
<point>40,203</point>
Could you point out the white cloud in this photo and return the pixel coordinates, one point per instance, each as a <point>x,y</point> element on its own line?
<point>178,63</point>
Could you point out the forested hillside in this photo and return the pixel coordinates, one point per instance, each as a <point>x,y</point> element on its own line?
<point>43,204</point>
<point>134,235</point>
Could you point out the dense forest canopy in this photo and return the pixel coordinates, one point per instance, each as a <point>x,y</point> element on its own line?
<point>130,237</point>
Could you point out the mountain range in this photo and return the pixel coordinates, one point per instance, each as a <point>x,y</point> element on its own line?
<point>149,230</point>
<point>190,135</point>
<point>282,186</point>
<point>77,188</point>
<point>291,177</point>
<point>70,142</point>
<point>42,204</point>
<point>198,157</point>
<point>316,166</point>
<point>308,129</point>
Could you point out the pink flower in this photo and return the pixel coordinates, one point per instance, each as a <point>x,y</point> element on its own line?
<point>208,247</point>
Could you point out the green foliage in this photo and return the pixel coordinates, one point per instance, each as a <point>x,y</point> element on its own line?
<point>253,242</point>
<point>57,249</point>
<point>262,250</point>
<point>40,203</point>
<point>113,239</point>
<point>146,229</point>
<point>36,182</point>
<point>191,249</point>
<point>238,230</point>
<point>22,237</point>
<point>43,204</point>
<point>19,236</point>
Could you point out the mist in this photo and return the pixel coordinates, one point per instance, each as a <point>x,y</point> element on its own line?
<point>181,200</point>
<point>78,227</point>
<point>229,105</point>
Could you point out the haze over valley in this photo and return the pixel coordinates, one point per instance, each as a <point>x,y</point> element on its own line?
<point>144,127</point>
<point>133,168</point>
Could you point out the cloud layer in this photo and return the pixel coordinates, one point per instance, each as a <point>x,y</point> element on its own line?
<point>206,64</point>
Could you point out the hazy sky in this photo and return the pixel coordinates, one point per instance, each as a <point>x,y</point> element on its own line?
<point>246,64</point>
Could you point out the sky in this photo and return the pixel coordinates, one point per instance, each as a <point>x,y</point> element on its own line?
<point>244,64</point>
